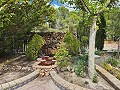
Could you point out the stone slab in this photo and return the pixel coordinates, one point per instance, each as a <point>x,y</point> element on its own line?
<point>5,86</point>
<point>112,80</point>
<point>12,83</point>
<point>18,81</point>
<point>0,87</point>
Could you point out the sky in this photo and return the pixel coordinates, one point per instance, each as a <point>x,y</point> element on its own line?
<point>56,4</point>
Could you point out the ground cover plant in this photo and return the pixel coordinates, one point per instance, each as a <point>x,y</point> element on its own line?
<point>112,65</point>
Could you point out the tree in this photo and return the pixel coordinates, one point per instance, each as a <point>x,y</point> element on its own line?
<point>101,33</point>
<point>94,8</point>
<point>61,14</point>
<point>17,20</point>
<point>113,23</point>
<point>83,29</point>
<point>72,21</point>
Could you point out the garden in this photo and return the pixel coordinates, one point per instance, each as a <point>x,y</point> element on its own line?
<point>79,40</point>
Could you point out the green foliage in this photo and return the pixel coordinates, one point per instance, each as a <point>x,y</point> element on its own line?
<point>101,33</point>
<point>17,20</point>
<point>72,44</point>
<point>107,67</point>
<point>114,62</point>
<point>83,28</point>
<point>81,63</point>
<point>80,69</point>
<point>83,51</point>
<point>95,79</point>
<point>113,23</point>
<point>82,58</point>
<point>117,75</point>
<point>99,53</point>
<point>113,70</point>
<point>34,46</point>
<point>62,56</point>
<point>66,19</point>
<point>63,12</point>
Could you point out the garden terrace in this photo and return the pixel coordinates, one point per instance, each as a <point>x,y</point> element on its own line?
<point>59,41</point>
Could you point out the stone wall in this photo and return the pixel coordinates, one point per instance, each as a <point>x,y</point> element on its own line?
<point>53,40</point>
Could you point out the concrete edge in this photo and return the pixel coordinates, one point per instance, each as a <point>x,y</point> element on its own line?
<point>63,84</point>
<point>112,80</point>
<point>19,82</point>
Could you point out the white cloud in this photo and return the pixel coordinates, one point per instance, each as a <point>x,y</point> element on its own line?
<point>55,6</point>
<point>69,7</point>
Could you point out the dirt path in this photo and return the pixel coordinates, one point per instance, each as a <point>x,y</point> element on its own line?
<point>40,84</point>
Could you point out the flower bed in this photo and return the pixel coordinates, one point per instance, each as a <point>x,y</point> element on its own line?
<point>113,66</point>
<point>16,68</point>
<point>85,82</point>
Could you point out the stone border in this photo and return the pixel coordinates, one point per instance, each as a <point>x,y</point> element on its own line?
<point>14,59</point>
<point>63,84</point>
<point>112,80</point>
<point>19,82</point>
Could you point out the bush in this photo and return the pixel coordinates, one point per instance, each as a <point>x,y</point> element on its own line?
<point>72,44</point>
<point>83,58</point>
<point>118,75</point>
<point>95,79</point>
<point>100,53</point>
<point>34,46</point>
<point>107,66</point>
<point>62,56</point>
<point>83,51</point>
<point>113,62</point>
<point>80,69</point>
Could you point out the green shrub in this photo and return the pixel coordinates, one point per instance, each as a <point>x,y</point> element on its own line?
<point>83,51</point>
<point>100,53</point>
<point>114,62</point>
<point>62,56</point>
<point>95,79</point>
<point>80,69</point>
<point>83,58</point>
<point>34,46</point>
<point>118,75</point>
<point>72,44</point>
<point>107,66</point>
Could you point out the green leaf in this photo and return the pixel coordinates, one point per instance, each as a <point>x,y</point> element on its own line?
<point>1,24</point>
<point>97,27</point>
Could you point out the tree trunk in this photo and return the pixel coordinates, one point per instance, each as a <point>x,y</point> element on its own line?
<point>91,67</point>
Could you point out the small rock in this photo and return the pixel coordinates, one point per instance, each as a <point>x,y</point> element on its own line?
<point>39,59</point>
<point>64,69</point>
<point>24,68</point>
<point>100,88</point>
<point>72,70</point>
<point>69,68</point>
<point>19,67</point>
<point>73,75</point>
<point>29,69</point>
<point>0,73</point>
